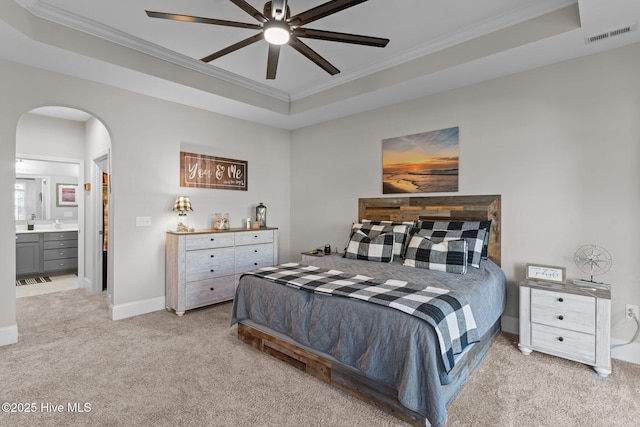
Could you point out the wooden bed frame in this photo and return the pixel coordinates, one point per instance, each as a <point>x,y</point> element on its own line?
<point>350,380</point>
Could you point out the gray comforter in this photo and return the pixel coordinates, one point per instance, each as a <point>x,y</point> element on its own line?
<point>385,344</point>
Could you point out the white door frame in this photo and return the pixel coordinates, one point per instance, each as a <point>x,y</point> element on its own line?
<point>96,235</point>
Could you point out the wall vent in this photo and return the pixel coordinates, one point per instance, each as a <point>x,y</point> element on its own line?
<point>613,33</point>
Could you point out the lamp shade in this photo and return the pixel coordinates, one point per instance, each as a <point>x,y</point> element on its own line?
<point>182,204</point>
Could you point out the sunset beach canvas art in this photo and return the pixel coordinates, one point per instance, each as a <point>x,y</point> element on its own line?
<point>421,163</point>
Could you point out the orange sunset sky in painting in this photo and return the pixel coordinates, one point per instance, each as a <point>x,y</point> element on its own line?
<point>422,151</point>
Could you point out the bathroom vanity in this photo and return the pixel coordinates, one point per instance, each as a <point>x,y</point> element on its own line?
<point>45,252</point>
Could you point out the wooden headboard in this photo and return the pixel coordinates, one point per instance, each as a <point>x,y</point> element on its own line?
<point>439,208</point>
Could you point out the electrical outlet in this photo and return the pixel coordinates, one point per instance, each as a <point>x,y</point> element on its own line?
<point>629,308</point>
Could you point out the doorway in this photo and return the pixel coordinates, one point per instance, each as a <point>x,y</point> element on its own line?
<point>49,131</point>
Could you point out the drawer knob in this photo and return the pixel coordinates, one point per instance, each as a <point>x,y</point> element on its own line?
<point>255,250</point>
<point>256,236</point>
<point>212,256</point>
<point>255,263</point>
<point>561,317</point>
<point>61,253</point>
<point>560,299</point>
<point>61,244</point>
<point>212,239</point>
<point>213,289</point>
<point>560,339</point>
<point>212,270</point>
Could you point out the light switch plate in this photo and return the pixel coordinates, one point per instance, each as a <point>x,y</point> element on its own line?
<point>143,221</point>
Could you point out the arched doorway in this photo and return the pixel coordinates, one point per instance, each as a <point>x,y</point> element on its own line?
<point>66,136</point>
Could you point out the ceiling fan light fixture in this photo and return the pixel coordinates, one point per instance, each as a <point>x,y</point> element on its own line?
<point>276,32</point>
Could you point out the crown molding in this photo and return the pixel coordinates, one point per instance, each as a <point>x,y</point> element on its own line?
<point>88,26</point>
<point>454,38</point>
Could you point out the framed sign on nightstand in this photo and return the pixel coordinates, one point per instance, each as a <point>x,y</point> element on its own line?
<point>548,273</point>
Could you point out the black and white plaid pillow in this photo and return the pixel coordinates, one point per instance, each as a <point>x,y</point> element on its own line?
<point>461,225</point>
<point>449,255</point>
<point>474,239</point>
<point>375,228</point>
<point>379,248</point>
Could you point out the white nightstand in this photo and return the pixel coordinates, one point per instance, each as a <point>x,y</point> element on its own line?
<point>568,321</point>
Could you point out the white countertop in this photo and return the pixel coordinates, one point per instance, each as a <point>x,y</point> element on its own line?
<point>46,229</point>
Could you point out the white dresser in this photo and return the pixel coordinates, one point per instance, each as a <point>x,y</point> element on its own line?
<point>203,267</point>
<point>568,321</point>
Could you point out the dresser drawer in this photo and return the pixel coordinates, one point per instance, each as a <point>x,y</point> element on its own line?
<point>61,264</point>
<point>206,264</point>
<point>571,344</point>
<point>60,253</point>
<point>254,237</point>
<point>253,256</point>
<point>568,311</point>
<point>209,291</point>
<point>68,235</point>
<point>209,241</point>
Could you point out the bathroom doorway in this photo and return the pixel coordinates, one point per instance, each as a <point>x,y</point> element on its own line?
<point>44,133</point>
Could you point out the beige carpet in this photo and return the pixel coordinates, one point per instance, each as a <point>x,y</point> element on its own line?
<point>159,369</point>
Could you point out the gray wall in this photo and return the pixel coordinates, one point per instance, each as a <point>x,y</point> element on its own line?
<point>146,138</point>
<point>561,144</point>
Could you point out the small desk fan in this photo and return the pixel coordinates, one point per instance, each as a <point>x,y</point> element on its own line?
<point>593,260</point>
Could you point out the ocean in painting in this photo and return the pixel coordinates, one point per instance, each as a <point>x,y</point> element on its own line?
<point>425,181</point>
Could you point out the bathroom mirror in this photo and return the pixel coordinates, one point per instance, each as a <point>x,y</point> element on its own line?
<point>36,187</point>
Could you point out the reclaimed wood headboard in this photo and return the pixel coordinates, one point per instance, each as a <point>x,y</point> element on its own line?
<point>438,208</point>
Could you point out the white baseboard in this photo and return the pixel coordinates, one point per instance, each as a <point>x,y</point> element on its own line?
<point>628,353</point>
<point>9,335</point>
<point>136,308</point>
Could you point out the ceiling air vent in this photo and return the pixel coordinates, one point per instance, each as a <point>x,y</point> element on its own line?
<point>613,33</point>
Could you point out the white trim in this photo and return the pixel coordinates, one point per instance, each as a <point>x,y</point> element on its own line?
<point>9,334</point>
<point>136,308</point>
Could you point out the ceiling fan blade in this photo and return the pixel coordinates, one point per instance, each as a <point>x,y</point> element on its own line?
<point>232,48</point>
<point>321,11</point>
<point>250,10</point>
<point>272,61</point>
<point>311,54</point>
<point>340,37</point>
<point>188,18</point>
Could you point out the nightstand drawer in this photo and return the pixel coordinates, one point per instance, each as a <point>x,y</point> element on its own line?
<point>568,311</point>
<point>209,291</point>
<point>209,241</point>
<point>571,344</point>
<point>210,263</point>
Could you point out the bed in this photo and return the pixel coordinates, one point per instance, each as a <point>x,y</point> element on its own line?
<point>375,351</point>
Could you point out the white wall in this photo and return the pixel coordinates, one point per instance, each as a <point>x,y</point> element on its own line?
<point>146,135</point>
<point>561,144</point>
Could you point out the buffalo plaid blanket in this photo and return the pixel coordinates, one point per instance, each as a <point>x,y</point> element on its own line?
<point>446,310</point>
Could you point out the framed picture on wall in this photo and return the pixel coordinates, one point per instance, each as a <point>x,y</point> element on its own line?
<point>66,195</point>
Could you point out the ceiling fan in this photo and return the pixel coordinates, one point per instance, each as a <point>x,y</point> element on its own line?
<point>278,27</point>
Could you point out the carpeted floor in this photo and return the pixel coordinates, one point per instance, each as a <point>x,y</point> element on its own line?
<point>159,369</point>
